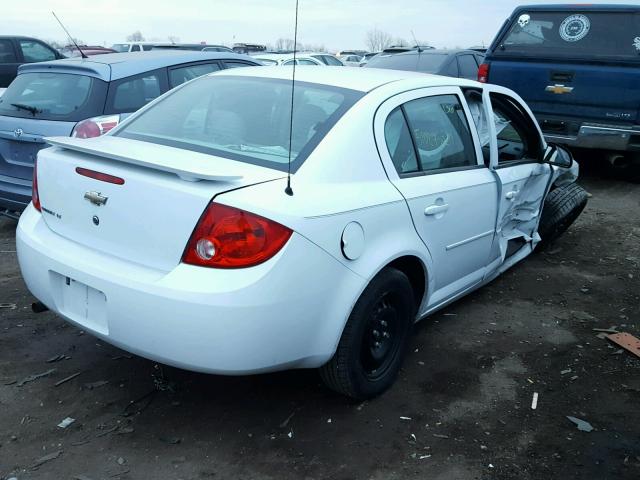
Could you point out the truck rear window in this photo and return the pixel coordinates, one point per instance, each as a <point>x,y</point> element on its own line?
<point>573,34</point>
<point>54,96</point>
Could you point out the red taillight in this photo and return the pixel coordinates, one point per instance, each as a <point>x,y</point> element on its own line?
<point>35,196</point>
<point>96,126</point>
<point>226,237</point>
<point>483,73</point>
<point>103,177</point>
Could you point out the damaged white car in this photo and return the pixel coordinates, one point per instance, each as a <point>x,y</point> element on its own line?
<point>175,236</point>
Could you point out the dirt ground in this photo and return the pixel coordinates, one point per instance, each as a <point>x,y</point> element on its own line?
<point>461,408</point>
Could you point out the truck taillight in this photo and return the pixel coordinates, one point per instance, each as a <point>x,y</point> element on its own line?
<point>35,196</point>
<point>483,73</point>
<point>227,237</point>
<point>96,126</point>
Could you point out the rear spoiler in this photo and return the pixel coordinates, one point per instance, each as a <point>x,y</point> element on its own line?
<point>188,165</point>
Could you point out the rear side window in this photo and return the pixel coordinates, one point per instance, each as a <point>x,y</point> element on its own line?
<point>573,34</point>
<point>243,118</point>
<point>54,96</point>
<point>135,48</point>
<point>329,60</point>
<point>7,54</point>
<point>440,133</point>
<point>132,94</point>
<point>180,75</point>
<point>468,66</point>
<point>231,64</point>
<point>33,51</point>
<point>399,142</point>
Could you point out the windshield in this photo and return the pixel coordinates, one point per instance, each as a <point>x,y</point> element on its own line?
<point>120,47</point>
<point>54,96</point>
<point>243,118</point>
<point>415,62</point>
<point>574,34</point>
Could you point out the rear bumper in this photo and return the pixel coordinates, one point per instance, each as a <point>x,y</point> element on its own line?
<point>15,193</point>
<point>603,137</point>
<point>286,313</point>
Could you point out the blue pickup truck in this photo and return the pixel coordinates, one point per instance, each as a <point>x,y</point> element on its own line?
<point>578,68</point>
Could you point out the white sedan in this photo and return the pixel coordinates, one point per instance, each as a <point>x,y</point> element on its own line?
<point>176,237</point>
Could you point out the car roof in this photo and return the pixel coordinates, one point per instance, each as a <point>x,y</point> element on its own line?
<point>114,66</point>
<point>362,79</point>
<point>579,7</point>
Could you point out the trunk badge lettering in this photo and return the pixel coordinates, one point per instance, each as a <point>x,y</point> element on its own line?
<point>96,198</point>
<point>558,89</point>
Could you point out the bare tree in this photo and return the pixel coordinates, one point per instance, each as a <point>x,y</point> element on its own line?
<point>313,47</point>
<point>378,40</point>
<point>173,39</point>
<point>400,42</point>
<point>284,44</point>
<point>135,37</point>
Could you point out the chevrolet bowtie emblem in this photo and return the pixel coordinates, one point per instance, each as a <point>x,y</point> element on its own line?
<point>558,89</point>
<point>96,198</point>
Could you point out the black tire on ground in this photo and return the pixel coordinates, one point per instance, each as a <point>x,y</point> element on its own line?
<point>375,338</point>
<point>561,208</point>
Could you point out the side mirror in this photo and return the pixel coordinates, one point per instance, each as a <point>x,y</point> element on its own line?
<point>558,156</point>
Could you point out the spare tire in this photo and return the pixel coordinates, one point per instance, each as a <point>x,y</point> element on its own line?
<point>561,208</point>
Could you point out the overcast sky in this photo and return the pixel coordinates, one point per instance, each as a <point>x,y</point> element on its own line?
<point>335,24</point>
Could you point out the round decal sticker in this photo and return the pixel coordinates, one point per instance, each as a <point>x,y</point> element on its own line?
<point>575,28</point>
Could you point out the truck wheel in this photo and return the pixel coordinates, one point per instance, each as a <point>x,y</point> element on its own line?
<point>375,338</point>
<point>561,208</point>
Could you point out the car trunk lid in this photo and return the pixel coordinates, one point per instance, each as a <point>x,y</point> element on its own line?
<point>147,219</point>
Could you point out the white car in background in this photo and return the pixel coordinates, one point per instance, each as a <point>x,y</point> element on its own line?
<point>351,60</point>
<point>180,240</point>
<point>287,59</point>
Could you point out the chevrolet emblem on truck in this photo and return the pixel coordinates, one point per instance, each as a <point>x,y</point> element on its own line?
<point>96,198</point>
<point>558,89</point>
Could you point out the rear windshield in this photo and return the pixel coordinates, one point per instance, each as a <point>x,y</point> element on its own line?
<point>423,62</point>
<point>244,118</point>
<point>54,96</point>
<point>573,34</point>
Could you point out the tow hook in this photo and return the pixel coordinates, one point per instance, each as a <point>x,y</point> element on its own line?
<point>39,307</point>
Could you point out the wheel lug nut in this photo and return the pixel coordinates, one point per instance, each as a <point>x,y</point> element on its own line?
<point>376,344</point>
<point>376,333</point>
<point>385,335</point>
<point>383,323</point>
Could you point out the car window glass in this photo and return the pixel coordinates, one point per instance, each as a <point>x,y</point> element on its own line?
<point>441,132</point>
<point>452,69</point>
<point>468,66</point>
<point>329,60</point>
<point>236,64</point>
<point>7,55</point>
<point>244,118</point>
<point>288,62</point>
<point>35,51</point>
<point>304,61</point>
<point>425,62</point>
<point>135,48</point>
<point>146,48</point>
<point>399,143</point>
<point>511,144</point>
<point>479,116</point>
<point>178,76</point>
<point>133,94</point>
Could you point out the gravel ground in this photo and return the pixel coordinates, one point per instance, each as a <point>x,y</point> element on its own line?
<point>461,408</point>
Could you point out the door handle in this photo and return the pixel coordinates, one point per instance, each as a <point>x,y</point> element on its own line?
<point>436,209</point>
<point>511,195</point>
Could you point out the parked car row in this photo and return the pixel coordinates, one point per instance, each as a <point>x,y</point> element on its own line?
<point>85,98</point>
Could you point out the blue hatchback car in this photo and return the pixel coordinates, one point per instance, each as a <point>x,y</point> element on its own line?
<point>84,98</point>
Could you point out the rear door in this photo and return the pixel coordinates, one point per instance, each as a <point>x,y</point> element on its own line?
<point>433,157</point>
<point>572,65</point>
<point>8,62</point>
<point>129,94</point>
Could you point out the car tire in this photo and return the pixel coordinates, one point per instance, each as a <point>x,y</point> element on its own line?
<point>375,339</point>
<point>561,208</point>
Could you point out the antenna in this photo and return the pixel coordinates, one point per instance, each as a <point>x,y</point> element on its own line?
<point>82,54</point>
<point>415,40</point>
<point>289,190</point>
